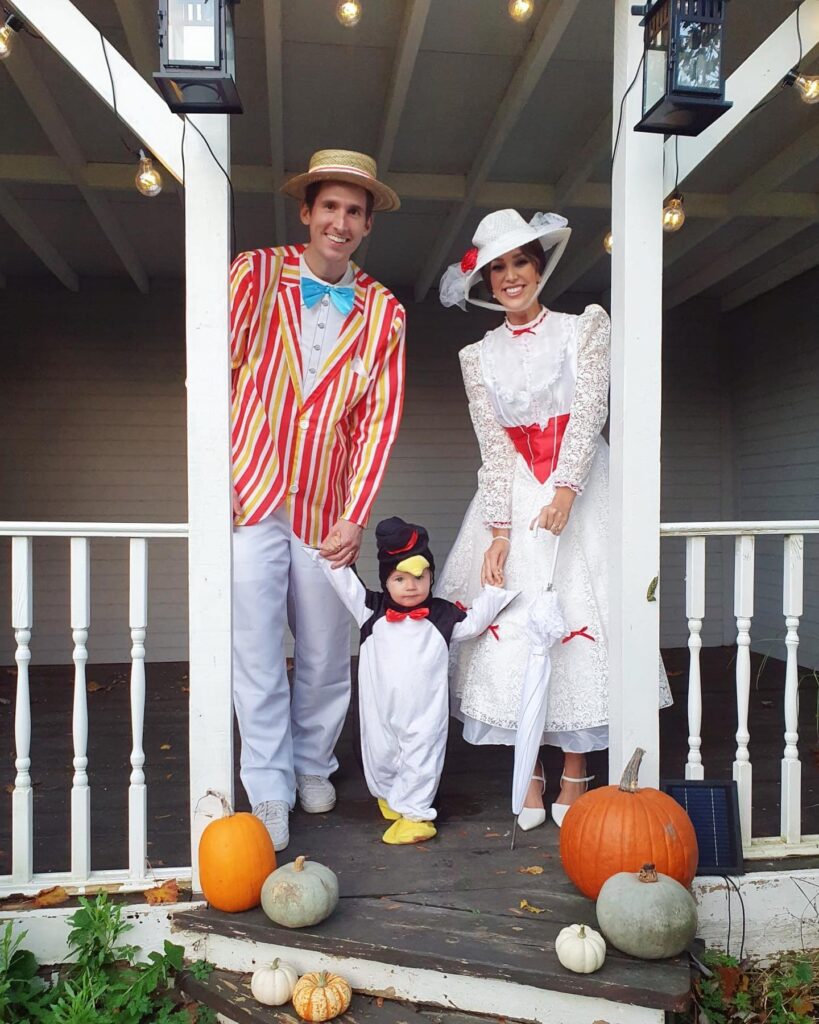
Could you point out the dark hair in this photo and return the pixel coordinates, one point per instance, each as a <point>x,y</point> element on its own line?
<point>313,189</point>
<point>533,251</point>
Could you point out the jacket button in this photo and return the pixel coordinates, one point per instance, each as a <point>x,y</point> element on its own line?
<point>294,488</point>
<point>304,423</point>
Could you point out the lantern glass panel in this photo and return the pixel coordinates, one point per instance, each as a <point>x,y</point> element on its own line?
<point>699,57</point>
<point>193,32</point>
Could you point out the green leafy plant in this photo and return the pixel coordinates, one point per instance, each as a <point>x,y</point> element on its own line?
<point>104,985</point>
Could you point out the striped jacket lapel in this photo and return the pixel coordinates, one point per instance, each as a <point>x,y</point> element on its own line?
<point>289,309</point>
<point>347,343</point>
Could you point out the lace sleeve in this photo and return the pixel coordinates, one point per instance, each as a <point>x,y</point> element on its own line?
<point>590,405</point>
<point>497,451</point>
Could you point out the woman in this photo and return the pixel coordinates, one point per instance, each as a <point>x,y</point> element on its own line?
<point>537,387</point>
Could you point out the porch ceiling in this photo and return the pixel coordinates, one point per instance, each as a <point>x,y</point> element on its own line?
<point>472,109</point>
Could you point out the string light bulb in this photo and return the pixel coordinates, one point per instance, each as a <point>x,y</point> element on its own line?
<point>673,214</point>
<point>608,241</point>
<point>521,10</point>
<point>148,180</point>
<point>7,32</point>
<point>348,12</point>
<point>806,85</point>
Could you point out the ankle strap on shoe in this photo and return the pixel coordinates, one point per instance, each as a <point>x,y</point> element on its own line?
<point>568,778</point>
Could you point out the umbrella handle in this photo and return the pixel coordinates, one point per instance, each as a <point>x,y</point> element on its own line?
<point>550,583</point>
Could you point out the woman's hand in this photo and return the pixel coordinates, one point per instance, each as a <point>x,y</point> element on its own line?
<point>494,560</point>
<point>553,517</point>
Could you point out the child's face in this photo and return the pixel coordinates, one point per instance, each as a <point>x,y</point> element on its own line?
<point>408,590</point>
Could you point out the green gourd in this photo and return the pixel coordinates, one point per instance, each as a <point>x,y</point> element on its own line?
<point>300,894</point>
<point>648,914</point>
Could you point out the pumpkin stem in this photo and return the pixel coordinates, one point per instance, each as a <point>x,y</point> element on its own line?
<point>298,863</point>
<point>581,934</point>
<point>648,873</point>
<point>628,782</point>
<point>275,965</point>
<point>321,978</point>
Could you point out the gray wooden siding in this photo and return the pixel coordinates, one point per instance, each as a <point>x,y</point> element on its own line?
<point>92,427</point>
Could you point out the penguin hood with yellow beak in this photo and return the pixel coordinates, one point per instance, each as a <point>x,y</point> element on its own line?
<point>403,546</point>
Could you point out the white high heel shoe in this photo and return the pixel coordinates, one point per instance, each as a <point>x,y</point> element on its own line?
<point>559,810</point>
<point>531,817</point>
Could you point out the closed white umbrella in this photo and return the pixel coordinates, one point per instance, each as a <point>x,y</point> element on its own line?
<point>545,625</point>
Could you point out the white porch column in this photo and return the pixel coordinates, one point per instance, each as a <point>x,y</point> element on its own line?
<point>207,258</point>
<point>636,301</point>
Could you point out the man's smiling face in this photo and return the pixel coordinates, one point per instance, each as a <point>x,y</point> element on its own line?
<point>337,222</point>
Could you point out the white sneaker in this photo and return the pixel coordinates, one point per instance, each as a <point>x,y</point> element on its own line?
<point>275,816</point>
<point>316,794</point>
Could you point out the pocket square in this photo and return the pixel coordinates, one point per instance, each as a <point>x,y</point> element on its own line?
<point>360,368</point>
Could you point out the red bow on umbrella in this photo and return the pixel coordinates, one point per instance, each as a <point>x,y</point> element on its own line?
<point>583,631</point>
<point>489,629</point>
<point>416,613</point>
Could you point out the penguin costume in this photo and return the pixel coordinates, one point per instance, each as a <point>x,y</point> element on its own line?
<point>403,664</point>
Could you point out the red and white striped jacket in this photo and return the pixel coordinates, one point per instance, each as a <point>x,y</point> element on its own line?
<point>324,455</point>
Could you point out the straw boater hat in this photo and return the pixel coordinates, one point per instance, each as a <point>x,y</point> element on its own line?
<point>349,167</point>
<point>496,234</point>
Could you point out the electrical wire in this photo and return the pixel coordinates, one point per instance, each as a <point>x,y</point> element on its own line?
<point>622,106</point>
<point>227,178</point>
<point>731,883</point>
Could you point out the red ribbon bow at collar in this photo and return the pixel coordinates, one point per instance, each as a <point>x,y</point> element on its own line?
<point>583,631</point>
<point>416,613</point>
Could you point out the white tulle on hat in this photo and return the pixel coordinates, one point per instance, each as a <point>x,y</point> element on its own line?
<point>498,233</point>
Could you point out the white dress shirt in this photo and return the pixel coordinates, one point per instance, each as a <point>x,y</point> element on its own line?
<point>320,328</point>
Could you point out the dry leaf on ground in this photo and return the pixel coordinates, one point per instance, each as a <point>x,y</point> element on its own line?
<point>168,892</point>
<point>52,897</point>
<point>165,746</point>
<point>526,905</point>
<point>533,870</point>
<point>93,687</point>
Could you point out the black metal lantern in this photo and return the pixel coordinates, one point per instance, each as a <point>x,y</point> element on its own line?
<point>683,77</point>
<point>196,60</point>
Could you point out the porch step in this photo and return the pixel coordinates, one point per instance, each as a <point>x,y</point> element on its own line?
<point>228,993</point>
<point>480,941</point>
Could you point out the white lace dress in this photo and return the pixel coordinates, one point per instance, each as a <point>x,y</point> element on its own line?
<point>533,376</point>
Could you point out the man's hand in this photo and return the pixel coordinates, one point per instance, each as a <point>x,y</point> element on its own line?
<point>236,505</point>
<point>342,544</point>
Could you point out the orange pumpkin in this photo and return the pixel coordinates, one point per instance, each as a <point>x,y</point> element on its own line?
<point>620,828</point>
<point>321,995</point>
<point>235,857</point>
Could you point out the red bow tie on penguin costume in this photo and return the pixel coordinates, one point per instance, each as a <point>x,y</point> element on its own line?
<point>416,613</point>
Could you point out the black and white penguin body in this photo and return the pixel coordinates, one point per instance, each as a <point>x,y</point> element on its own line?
<point>403,687</point>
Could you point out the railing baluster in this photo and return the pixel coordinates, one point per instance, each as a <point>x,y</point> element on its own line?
<point>22,801</point>
<point>137,792</point>
<point>695,611</point>
<point>791,796</point>
<point>743,610</point>
<point>80,790</point>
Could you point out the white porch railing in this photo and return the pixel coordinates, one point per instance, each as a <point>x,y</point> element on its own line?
<point>80,874</point>
<point>791,840</point>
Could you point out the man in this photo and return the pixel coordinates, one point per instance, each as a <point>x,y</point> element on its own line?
<point>317,350</point>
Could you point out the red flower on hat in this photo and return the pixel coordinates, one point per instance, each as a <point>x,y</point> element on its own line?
<point>470,258</point>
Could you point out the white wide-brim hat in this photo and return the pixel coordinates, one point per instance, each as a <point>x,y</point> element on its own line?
<point>498,233</point>
<point>349,167</point>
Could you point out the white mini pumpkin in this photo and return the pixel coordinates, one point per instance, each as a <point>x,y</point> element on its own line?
<point>580,949</point>
<point>273,985</point>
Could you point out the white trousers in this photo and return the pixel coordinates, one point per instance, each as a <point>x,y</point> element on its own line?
<point>284,733</point>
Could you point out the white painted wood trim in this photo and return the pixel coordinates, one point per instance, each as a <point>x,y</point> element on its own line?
<point>746,527</point>
<point>142,42</point>
<point>22,801</point>
<point>77,41</point>
<point>137,790</point>
<point>636,313</point>
<point>207,255</point>
<point>743,610</point>
<point>753,80</point>
<point>409,43</point>
<point>80,788</point>
<point>17,218</point>
<point>272,23</point>
<point>115,880</point>
<point>549,31</point>
<point>44,529</point>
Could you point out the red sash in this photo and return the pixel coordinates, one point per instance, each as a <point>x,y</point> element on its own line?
<point>540,447</point>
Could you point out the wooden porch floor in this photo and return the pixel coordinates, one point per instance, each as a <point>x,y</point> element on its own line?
<point>474,793</point>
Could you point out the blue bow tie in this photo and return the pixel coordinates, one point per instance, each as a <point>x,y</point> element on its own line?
<point>312,291</point>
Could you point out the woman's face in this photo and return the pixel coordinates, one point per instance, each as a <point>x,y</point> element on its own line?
<point>513,278</point>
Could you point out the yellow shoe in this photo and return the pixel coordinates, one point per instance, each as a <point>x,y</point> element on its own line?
<point>403,832</point>
<point>387,811</point>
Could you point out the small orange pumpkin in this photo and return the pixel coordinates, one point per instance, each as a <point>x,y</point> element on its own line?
<point>321,995</point>
<point>620,828</point>
<point>235,857</point>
